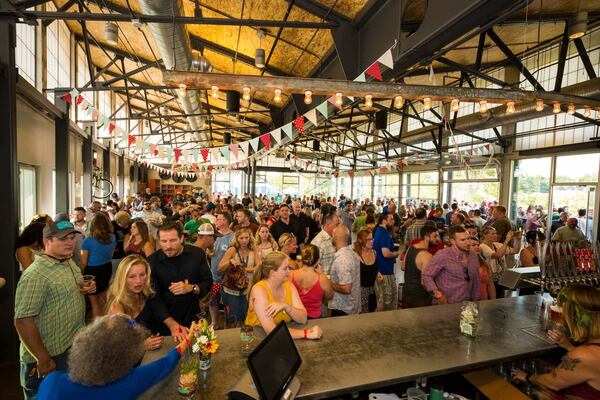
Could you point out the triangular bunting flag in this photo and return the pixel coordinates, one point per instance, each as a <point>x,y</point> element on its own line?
<point>322,108</point>
<point>332,101</point>
<point>111,127</point>
<point>311,115</point>
<point>177,155</point>
<point>287,129</point>
<point>169,152</point>
<point>351,98</point>
<point>234,149</point>
<point>254,144</point>
<point>361,78</point>
<point>195,154</point>
<point>204,153</point>
<point>131,140</point>
<point>276,134</point>
<point>145,147</point>
<point>387,59</point>
<point>266,140</point>
<point>374,71</point>
<point>214,154</point>
<point>225,151</point>
<point>138,143</point>
<point>244,146</point>
<point>299,123</point>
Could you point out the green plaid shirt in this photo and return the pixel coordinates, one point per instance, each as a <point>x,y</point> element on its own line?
<point>49,293</point>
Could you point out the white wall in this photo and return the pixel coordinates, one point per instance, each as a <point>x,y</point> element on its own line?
<point>35,146</point>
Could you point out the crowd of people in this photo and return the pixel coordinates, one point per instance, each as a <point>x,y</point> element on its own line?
<point>160,263</point>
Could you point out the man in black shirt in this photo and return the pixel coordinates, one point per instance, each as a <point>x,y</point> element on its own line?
<point>284,224</point>
<point>302,222</point>
<point>181,277</point>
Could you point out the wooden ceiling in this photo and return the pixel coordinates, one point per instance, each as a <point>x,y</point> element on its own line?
<point>296,52</point>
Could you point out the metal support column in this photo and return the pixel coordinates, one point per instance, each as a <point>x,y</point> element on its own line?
<point>61,154</point>
<point>106,163</point>
<point>9,196</point>
<point>253,181</point>
<point>136,177</point>
<point>121,173</point>
<point>88,163</point>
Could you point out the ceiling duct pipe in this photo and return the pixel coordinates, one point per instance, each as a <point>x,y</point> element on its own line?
<point>173,44</point>
<point>494,117</point>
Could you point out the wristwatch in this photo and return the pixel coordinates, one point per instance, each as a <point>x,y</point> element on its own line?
<point>195,289</point>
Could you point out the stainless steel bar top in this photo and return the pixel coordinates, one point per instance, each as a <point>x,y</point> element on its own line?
<point>368,351</point>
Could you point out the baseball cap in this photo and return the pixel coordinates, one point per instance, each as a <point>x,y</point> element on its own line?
<point>59,229</point>
<point>207,229</point>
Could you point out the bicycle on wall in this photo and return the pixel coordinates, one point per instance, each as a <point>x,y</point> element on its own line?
<point>102,187</point>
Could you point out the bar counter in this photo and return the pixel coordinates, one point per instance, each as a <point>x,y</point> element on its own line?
<point>373,350</point>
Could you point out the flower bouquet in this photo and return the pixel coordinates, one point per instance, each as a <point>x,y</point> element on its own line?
<point>204,342</point>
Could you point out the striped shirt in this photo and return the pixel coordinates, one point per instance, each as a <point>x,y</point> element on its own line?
<point>446,272</point>
<point>48,292</point>
<point>414,231</point>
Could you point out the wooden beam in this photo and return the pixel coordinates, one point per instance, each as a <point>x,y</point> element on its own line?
<point>379,90</point>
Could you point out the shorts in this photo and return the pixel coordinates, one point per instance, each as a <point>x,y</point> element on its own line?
<point>102,275</point>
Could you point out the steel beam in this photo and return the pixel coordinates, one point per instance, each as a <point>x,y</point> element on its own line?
<point>562,58</point>
<point>514,60</point>
<point>88,16</point>
<point>475,72</point>
<point>589,68</point>
<point>9,196</point>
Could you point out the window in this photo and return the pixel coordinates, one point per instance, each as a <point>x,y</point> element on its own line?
<point>420,186</point>
<point>58,46</point>
<point>230,181</point>
<point>362,187</point>
<point>387,186</point>
<point>25,52</point>
<point>530,185</point>
<point>27,195</point>
<point>581,168</point>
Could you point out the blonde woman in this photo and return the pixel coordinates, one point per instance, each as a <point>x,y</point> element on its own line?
<point>273,299</point>
<point>264,241</point>
<point>130,292</point>
<point>237,266</point>
<point>289,246</point>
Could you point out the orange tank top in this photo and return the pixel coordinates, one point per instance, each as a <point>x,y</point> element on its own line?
<point>252,318</point>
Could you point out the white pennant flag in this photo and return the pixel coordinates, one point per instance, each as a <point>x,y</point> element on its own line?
<point>351,98</point>
<point>312,116</point>
<point>254,144</point>
<point>244,147</point>
<point>276,134</point>
<point>361,78</point>
<point>214,154</point>
<point>387,59</point>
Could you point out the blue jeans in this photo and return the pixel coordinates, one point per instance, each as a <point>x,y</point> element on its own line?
<point>30,382</point>
<point>236,307</point>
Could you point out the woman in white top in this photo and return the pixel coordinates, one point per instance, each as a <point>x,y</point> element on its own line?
<point>495,252</point>
<point>264,241</point>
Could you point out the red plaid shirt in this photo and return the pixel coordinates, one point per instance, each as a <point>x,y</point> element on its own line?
<point>446,273</point>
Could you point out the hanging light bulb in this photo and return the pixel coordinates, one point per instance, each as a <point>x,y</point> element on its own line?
<point>587,112</point>
<point>277,97</point>
<point>398,102</point>
<point>427,103</point>
<point>539,105</point>
<point>182,91</point>
<point>556,108</point>
<point>259,56</point>
<point>368,101</point>
<point>338,99</point>
<point>246,93</point>
<point>454,105</point>
<point>510,107</point>
<point>483,106</point>
<point>215,92</point>
<point>571,109</point>
<point>307,97</point>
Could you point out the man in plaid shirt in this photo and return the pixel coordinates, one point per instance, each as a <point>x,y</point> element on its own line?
<point>452,276</point>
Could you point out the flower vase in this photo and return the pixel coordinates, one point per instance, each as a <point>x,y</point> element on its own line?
<point>188,372</point>
<point>205,362</point>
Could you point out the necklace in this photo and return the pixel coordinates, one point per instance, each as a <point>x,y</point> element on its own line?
<point>60,260</point>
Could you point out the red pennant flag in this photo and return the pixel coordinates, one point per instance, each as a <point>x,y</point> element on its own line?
<point>79,100</point>
<point>374,71</point>
<point>111,128</point>
<point>131,140</point>
<point>204,153</point>
<point>67,98</point>
<point>350,174</point>
<point>299,123</point>
<point>487,146</point>
<point>177,154</point>
<point>400,164</point>
<point>210,167</point>
<point>266,140</point>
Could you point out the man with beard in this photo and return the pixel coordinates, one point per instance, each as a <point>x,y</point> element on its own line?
<point>452,276</point>
<point>415,263</point>
<point>180,277</point>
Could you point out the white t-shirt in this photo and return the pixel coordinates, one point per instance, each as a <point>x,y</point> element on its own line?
<point>497,265</point>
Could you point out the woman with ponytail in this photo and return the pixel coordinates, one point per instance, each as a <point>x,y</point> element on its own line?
<point>273,298</point>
